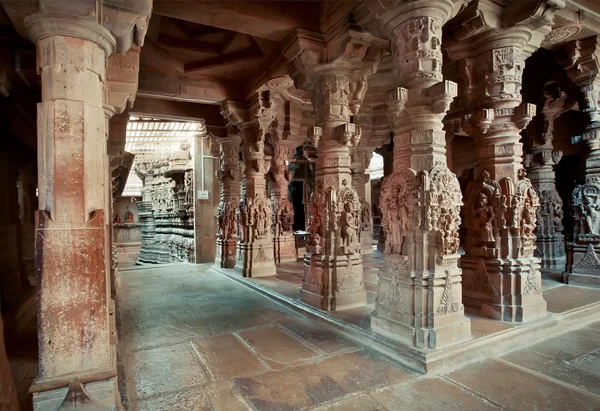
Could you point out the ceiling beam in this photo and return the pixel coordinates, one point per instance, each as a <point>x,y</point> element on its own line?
<point>189,44</point>
<point>231,58</point>
<point>178,110</point>
<point>272,20</point>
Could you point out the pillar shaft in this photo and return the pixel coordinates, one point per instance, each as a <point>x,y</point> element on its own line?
<point>419,298</point>
<point>71,235</point>
<point>283,210</point>
<point>229,178</point>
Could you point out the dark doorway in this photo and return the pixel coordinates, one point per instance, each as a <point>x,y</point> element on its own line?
<point>296,192</point>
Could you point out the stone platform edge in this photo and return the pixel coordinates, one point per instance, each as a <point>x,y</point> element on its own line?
<point>458,354</point>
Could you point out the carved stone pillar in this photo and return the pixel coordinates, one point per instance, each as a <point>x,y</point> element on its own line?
<point>583,264</point>
<point>360,159</point>
<point>501,275</point>
<point>336,74</point>
<point>419,297</point>
<point>229,179</point>
<point>254,214</point>
<point>540,166</point>
<point>71,228</point>
<point>283,139</point>
<point>283,210</point>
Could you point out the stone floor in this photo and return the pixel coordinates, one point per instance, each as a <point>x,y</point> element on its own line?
<point>193,339</point>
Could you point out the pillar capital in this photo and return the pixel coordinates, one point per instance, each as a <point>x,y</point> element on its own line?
<point>113,25</point>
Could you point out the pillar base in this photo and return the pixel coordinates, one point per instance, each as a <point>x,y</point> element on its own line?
<point>255,260</point>
<point>457,329</point>
<point>504,289</point>
<point>366,242</point>
<point>551,253</point>
<point>102,394</point>
<point>225,253</point>
<point>349,291</point>
<point>583,265</point>
<point>285,249</point>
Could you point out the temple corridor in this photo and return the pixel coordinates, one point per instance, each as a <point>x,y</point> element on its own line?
<point>194,339</point>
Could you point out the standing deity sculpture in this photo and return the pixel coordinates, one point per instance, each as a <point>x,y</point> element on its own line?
<point>349,226</point>
<point>483,219</point>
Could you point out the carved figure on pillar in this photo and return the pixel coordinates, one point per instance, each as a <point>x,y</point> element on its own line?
<point>502,278</point>
<point>360,163</point>
<point>336,74</point>
<point>583,263</point>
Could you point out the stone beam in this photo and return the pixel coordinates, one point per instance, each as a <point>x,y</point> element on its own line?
<point>179,110</point>
<point>201,90</point>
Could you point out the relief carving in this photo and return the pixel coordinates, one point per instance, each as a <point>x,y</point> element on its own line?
<point>398,199</point>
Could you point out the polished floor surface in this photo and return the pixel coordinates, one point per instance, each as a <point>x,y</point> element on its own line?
<point>193,339</point>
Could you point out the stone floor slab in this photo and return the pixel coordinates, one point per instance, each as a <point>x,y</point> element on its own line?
<point>362,402</point>
<point>430,394</point>
<point>226,357</point>
<point>513,388</point>
<point>163,369</point>
<point>216,396</point>
<point>564,298</point>
<point>318,335</point>
<point>277,347</point>
<point>556,368</point>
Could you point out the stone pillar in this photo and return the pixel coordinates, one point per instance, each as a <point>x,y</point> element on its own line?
<point>254,214</point>
<point>283,210</point>
<point>336,73</point>
<point>583,264</point>
<point>146,214</point>
<point>419,297</point>
<point>206,166</point>
<point>229,199</point>
<point>387,152</point>
<point>360,159</point>
<point>71,234</point>
<point>501,275</point>
<point>540,167</point>
<point>284,136</point>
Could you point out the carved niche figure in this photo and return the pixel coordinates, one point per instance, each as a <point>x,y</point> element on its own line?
<point>398,200</point>
<point>117,219</point>
<point>226,220</point>
<point>448,227</point>
<point>260,218</point>
<point>314,218</point>
<point>188,184</point>
<point>242,220</point>
<point>129,218</point>
<point>285,217</point>
<point>365,216</point>
<point>528,223</point>
<point>483,220</point>
<point>349,226</point>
